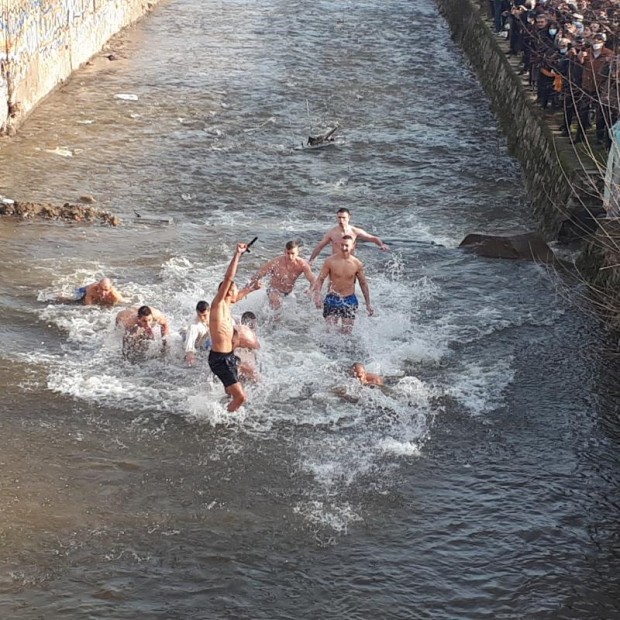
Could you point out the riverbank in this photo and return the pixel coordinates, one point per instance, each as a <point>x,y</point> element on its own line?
<point>564,180</point>
<point>41,47</point>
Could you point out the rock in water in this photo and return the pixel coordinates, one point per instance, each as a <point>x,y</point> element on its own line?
<point>525,246</point>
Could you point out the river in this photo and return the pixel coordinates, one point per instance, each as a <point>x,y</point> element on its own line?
<point>482,484</point>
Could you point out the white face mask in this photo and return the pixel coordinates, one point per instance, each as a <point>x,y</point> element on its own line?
<point>553,32</point>
<point>563,50</point>
<point>597,46</point>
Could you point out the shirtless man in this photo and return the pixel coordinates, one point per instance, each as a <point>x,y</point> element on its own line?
<point>283,272</point>
<point>139,324</point>
<point>365,378</point>
<point>343,270</point>
<point>197,333</point>
<point>100,293</point>
<point>246,344</point>
<point>335,234</point>
<point>222,359</point>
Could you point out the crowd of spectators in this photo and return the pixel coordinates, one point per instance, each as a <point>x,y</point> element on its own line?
<point>570,54</point>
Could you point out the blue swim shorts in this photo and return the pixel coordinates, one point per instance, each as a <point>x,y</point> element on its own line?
<point>341,307</point>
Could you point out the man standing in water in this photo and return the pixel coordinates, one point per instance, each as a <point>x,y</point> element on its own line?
<point>197,333</point>
<point>246,344</point>
<point>222,359</point>
<point>335,234</point>
<point>283,272</point>
<point>343,270</point>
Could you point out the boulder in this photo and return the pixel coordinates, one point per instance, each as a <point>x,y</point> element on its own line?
<point>526,246</point>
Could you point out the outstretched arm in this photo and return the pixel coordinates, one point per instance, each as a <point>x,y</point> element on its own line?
<point>319,248</point>
<point>362,235</point>
<point>361,278</point>
<point>252,286</point>
<point>262,272</point>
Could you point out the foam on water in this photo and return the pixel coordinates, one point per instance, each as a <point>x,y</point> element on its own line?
<point>347,432</point>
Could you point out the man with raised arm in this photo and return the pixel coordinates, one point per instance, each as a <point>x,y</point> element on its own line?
<point>283,272</point>
<point>335,234</point>
<point>222,359</point>
<point>343,270</point>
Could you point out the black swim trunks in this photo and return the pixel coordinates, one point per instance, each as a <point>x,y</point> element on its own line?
<point>225,367</point>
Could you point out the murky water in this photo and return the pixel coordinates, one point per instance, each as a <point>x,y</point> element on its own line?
<point>482,484</point>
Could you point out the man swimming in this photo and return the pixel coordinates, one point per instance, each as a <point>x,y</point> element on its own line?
<point>139,324</point>
<point>335,234</point>
<point>283,272</point>
<point>343,270</point>
<point>197,333</point>
<point>365,378</point>
<point>222,359</point>
<point>246,344</point>
<point>100,293</point>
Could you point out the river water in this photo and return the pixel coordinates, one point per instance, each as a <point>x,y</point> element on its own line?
<point>482,484</point>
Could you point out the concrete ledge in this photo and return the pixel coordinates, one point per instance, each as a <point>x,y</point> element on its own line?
<point>42,43</point>
<point>555,176</point>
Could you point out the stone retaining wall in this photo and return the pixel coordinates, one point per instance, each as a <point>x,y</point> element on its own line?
<point>547,169</point>
<point>43,41</point>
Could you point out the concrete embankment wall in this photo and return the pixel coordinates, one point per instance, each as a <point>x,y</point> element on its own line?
<point>43,41</point>
<point>547,171</point>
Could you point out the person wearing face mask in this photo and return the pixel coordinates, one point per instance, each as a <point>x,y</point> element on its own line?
<point>595,63</point>
<point>549,83</point>
<point>571,71</point>
<point>536,40</point>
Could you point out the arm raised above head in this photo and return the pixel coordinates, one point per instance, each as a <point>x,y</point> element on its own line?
<point>230,274</point>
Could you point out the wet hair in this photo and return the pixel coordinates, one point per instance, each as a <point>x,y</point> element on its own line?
<point>348,237</point>
<point>202,306</point>
<point>343,210</point>
<point>219,286</point>
<point>247,317</point>
<point>144,311</point>
<point>291,245</point>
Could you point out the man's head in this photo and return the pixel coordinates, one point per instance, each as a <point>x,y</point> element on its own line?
<point>541,21</point>
<point>145,316</point>
<point>291,250</point>
<point>358,371</point>
<point>202,310</point>
<point>105,286</point>
<point>346,244</point>
<point>343,215</point>
<point>249,319</point>
<point>233,291</point>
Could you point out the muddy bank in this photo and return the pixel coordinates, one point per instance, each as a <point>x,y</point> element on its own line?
<point>67,212</point>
